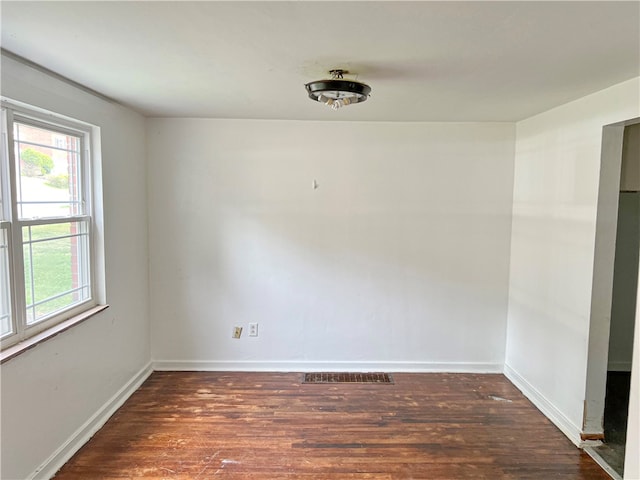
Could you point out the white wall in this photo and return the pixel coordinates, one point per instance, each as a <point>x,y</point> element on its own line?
<point>625,283</point>
<point>632,457</point>
<point>630,174</point>
<point>557,169</point>
<point>398,260</point>
<point>631,181</point>
<point>51,391</point>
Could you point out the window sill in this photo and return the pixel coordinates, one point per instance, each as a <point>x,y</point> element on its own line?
<point>29,343</point>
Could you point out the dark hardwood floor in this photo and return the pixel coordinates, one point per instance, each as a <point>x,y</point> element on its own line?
<point>206,425</point>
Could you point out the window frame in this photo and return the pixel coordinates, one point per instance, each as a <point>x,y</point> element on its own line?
<point>31,116</point>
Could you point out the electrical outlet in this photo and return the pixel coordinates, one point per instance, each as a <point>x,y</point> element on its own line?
<point>253,329</point>
<point>237,331</point>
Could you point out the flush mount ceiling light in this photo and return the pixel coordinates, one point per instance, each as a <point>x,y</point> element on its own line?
<point>337,92</point>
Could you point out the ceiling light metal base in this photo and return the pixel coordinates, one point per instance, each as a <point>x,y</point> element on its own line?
<point>338,92</point>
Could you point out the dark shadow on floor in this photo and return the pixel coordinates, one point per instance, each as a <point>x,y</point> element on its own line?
<point>616,411</point>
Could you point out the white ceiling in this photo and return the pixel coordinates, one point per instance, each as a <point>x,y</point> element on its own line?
<point>425,61</point>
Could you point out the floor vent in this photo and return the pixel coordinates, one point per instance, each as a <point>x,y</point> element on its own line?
<point>323,377</point>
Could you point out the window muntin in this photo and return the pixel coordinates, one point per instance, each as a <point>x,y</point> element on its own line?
<point>46,271</point>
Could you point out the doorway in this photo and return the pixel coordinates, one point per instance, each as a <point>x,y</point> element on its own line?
<point>625,285</point>
<point>608,383</point>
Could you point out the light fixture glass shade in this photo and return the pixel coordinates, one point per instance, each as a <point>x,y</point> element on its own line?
<point>337,93</point>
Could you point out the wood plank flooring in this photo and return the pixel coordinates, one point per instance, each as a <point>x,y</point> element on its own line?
<point>260,426</point>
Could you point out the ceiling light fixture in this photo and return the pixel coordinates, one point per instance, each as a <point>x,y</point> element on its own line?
<point>337,92</point>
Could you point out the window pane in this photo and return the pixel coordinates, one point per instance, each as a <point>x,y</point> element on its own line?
<point>47,172</point>
<point>6,326</point>
<point>56,268</point>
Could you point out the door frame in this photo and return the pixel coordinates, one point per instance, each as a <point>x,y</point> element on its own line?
<point>602,286</point>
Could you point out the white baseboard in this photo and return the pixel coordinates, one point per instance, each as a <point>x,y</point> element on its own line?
<point>301,366</point>
<point>545,406</point>
<point>619,366</point>
<point>90,427</point>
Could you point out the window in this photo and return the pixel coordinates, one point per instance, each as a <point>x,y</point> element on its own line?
<point>46,222</point>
